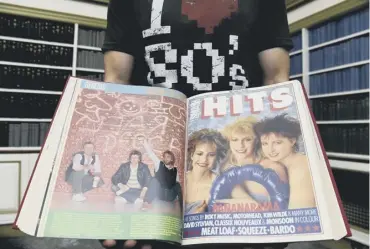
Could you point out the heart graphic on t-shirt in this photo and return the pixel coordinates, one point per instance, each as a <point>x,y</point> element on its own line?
<point>209,13</point>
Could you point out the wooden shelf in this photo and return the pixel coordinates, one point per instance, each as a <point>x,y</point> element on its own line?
<point>339,122</point>
<point>330,69</point>
<point>345,38</point>
<point>350,166</point>
<point>348,156</point>
<point>29,120</point>
<point>337,94</point>
<point>89,48</point>
<point>360,235</point>
<point>30,91</point>
<point>19,149</point>
<point>93,70</point>
<point>8,38</point>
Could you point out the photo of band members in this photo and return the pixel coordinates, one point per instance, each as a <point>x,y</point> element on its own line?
<point>132,182</point>
<point>251,164</point>
<point>124,153</point>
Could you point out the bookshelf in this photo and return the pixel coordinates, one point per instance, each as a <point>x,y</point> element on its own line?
<point>44,53</point>
<point>36,58</point>
<point>331,58</point>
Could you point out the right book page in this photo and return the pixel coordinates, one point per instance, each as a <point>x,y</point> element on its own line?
<point>254,173</point>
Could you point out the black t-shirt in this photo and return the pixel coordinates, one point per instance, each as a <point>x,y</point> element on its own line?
<point>196,46</point>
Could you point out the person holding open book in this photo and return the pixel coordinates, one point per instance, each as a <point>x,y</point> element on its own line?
<point>197,46</point>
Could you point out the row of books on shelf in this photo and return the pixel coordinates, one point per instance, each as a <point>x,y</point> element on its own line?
<point>354,196</point>
<point>346,138</point>
<point>358,215</point>
<point>343,26</point>
<point>16,77</point>
<point>38,29</point>
<point>296,64</point>
<point>93,38</point>
<point>26,134</point>
<point>23,52</point>
<point>25,105</point>
<point>349,51</point>
<point>91,76</point>
<point>35,53</point>
<point>297,41</point>
<point>348,79</point>
<point>350,107</point>
<point>90,59</point>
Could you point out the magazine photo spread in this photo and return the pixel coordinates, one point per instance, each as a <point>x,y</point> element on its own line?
<point>146,163</point>
<point>256,171</point>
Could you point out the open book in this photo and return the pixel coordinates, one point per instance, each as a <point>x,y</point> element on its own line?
<point>135,162</point>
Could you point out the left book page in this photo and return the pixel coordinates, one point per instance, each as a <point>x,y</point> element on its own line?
<point>116,170</point>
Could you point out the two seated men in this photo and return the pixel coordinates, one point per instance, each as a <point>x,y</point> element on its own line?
<point>133,182</point>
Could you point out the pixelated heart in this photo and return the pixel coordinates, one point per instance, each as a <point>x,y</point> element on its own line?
<point>209,13</point>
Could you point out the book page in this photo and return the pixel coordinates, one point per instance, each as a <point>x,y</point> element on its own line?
<point>32,203</point>
<point>247,174</point>
<point>118,172</point>
<point>330,201</point>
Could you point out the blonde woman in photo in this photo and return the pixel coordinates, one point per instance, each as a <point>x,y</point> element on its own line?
<point>245,150</point>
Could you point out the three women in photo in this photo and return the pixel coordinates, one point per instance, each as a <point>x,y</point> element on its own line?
<point>271,143</point>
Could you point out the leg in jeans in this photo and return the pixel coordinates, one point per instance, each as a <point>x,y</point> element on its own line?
<point>171,194</point>
<point>178,192</point>
<point>77,178</point>
<point>154,191</point>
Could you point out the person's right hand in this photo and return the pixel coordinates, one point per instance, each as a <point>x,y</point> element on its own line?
<point>126,245</point>
<point>201,208</point>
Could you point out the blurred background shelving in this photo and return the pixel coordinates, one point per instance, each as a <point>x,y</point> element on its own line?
<point>330,57</point>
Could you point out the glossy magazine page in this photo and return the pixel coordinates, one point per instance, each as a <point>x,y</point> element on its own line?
<point>118,170</point>
<point>249,171</point>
